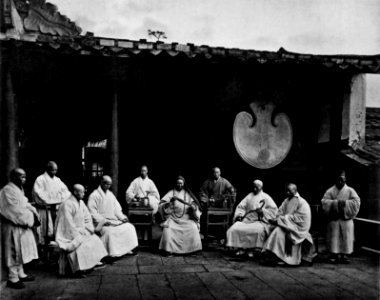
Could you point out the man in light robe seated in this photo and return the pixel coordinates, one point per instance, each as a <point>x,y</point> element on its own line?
<point>181,212</point>
<point>251,227</point>
<point>290,240</point>
<point>18,217</point>
<point>48,189</point>
<point>144,187</point>
<point>119,236</point>
<point>74,233</point>
<point>341,204</point>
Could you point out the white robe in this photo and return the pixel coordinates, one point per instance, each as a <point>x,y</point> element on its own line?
<point>74,233</point>
<point>294,217</point>
<point>252,232</point>
<point>142,188</point>
<point>180,234</point>
<point>119,238</point>
<point>48,190</point>
<point>18,218</point>
<point>340,227</point>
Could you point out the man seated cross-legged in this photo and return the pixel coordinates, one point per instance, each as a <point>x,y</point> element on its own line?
<point>251,227</point>
<point>290,240</point>
<point>181,226</point>
<point>117,234</point>
<point>74,233</point>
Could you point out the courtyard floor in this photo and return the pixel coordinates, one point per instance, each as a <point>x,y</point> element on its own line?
<point>212,274</point>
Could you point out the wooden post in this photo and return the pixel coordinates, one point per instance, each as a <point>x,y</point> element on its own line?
<point>336,121</point>
<point>10,147</point>
<point>114,145</point>
<point>8,134</point>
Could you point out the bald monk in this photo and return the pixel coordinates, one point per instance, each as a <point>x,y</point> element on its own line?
<point>18,219</point>
<point>290,241</point>
<point>341,204</point>
<point>251,227</point>
<point>215,188</point>
<point>48,189</point>
<point>117,234</point>
<point>143,187</point>
<point>74,233</point>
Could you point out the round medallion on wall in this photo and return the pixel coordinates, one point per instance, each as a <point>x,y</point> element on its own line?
<point>262,140</point>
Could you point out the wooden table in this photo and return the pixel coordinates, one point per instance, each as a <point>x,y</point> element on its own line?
<point>141,216</point>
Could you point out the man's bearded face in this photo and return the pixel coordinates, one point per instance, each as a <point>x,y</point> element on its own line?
<point>179,185</point>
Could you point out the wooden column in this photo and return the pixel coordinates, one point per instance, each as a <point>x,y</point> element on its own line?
<point>8,135</point>
<point>114,144</point>
<point>10,148</point>
<point>337,97</point>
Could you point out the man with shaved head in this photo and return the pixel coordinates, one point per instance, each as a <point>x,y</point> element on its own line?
<point>290,241</point>
<point>215,188</point>
<point>74,233</point>
<point>117,234</point>
<point>341,204</point>
<point>143,187</point>
<point>251,227</point>
<point>18,217</point>
<point>48,189</point>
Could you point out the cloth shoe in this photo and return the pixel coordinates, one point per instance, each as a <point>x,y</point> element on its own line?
<point>15,285</point>
<point>27,278</point>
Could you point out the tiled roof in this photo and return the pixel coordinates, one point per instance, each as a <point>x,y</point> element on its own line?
<point>372,136</point>
<point>90,45</point>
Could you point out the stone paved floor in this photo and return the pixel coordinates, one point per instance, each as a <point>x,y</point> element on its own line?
<point>212,274</point>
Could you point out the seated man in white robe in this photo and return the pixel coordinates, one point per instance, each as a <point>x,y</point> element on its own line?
<point>180,233</point>
<point>290,240</point>
<point>119,236</point>
<point>251,227</point>
<point>18,218</point>
<point>143,187</point>
<point>74,233</point>
<point>341,204</point>
<point>48,189</point>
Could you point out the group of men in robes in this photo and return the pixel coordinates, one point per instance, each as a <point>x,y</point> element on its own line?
<point>282,235</point>
<point>88,234</point>
<point>85,235</point>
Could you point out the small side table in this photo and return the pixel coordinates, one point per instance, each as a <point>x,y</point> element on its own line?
<point>142,216</point>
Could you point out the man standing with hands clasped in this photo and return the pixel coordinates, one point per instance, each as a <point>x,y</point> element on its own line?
<point>19,216</point>
<point>341,204</point>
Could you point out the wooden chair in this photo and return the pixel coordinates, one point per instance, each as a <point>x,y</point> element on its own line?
<point>51,246</point>
<point>141,216</point>
<point>316,221</point>
<point>218,214</point>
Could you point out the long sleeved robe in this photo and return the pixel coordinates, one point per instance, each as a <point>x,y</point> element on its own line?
<point>18,218</point>
<point>215,188</point>
<point>340,227</point>
<point>48,190</point>
<point>252,232</point>
<point>293,219</point>
<point>144,187</point>
<point>180,233</point>
<point>119,238</point>
<point>74,233</point>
